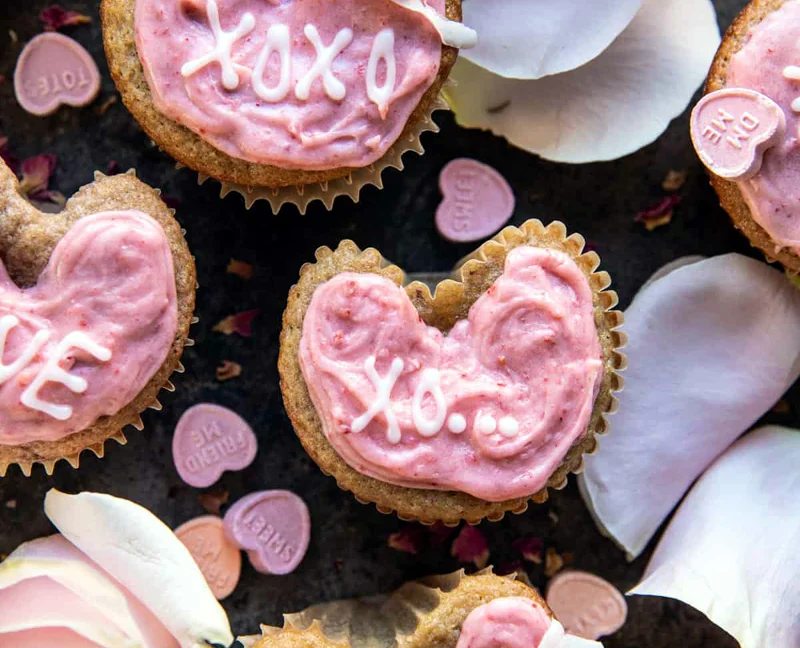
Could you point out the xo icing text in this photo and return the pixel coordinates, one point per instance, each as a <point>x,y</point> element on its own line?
<point>51,371</point>
<point>278,42</point>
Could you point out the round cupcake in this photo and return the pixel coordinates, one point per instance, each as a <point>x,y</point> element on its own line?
<point>455,611</point>
<point>283,94</point>
<point>759,53</point>
<point>95,307</point>
<point>460,405</point>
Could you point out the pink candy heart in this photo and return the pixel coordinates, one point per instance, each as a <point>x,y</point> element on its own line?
<point>54,70</point>
<point>209,440</point>
<point>274,528</point>
<point>477,201</point>
<point>732,128</point>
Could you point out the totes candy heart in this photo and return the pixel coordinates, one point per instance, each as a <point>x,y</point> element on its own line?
<point>274,528</point>
<point>732,128</point>
<point>490,409</point>
<point>291,83</point>
<point>477,201</point>
<point>54,70</point>
<point>218,559</point>
<point>209,440</point>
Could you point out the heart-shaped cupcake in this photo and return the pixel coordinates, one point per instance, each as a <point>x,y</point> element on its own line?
<point>95,307</point>
<point>463,404</point>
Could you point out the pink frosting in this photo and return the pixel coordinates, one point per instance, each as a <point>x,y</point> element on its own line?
<point>499,400</point>
<point>34,606</point>
<point>773,194</point>
<point>313,134</point>
<point>110,279</point>
<point>505,623</point>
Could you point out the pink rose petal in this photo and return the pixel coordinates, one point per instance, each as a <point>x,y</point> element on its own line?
<point>731,551</point>
<point>241,323</point>
<point>56,17</point>
<point>471,546</point>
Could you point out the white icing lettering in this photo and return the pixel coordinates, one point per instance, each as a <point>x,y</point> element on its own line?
<point>382,50</point>
<point>278,42</point>
<point>456,423</point>
<point>52,372</point>
<point>8,322</point>
<point>791,72</point>
<point>487,424</point>
<point>382,404</point>
<point>508,426</point>
<point>428,384</point>
<point>221,53</point>
<point>323,65</point>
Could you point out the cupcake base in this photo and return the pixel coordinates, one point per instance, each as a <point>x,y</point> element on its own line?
<point>450,302</point>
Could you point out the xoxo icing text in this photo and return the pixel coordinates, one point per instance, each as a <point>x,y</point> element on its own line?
<point>380,75</point>
<point>52,371</point>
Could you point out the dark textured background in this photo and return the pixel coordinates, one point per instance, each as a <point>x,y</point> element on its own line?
<point>348,554</point>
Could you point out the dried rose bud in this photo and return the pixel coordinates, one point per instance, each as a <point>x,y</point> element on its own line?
<point>674,180</point>
<point>553,562</point>
<point>213,502</point>
<point>228,370</point>
<point>659,214</point>
<point>55,17</point>
<point>241,323</point>
<point>531,548</point>
<point>410,539</point>
<point>240,269</point>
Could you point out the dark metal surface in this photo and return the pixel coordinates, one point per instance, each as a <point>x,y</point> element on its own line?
<point>348,554</point>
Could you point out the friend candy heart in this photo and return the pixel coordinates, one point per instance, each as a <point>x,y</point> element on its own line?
<point>274,527</point>
<point>732,128</point>
<point>210,439</point>
<point>477,201</point>
<point>587,605</point>
<point>55,70</point>
<point>218,559</point>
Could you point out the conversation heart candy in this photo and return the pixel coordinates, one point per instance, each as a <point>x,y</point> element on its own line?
<point>210,439</point>
<point>218,559</point>
<point>274,528</point>
<point>732,128</point>
<point>586,605</point>
<point>477,201</point>
<point>53,70</point>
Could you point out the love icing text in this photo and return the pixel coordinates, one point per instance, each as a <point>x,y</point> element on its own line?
<point>51,371</point>
<point>278,42</point>
<point>426,426</point>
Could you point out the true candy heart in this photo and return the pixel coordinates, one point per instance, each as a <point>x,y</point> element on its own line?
<point>274,528</point>
<point>477,201</point>
<point>94,314</point>
<point>209,440</point>
<point>54,70</point>
<point>732,128</point>
<point>218,559</point>
<point>493,388</point>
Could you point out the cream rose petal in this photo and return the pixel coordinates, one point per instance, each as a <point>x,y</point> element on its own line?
<point>529,39</point>
<point>615,104</point>
<point>731,549</point>
<point>144,555</point>
<point>712,346</point>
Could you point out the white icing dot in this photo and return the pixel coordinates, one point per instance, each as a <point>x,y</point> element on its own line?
<point>791,72</point>
<point>509,426</point>
<point>487,424</point>
<point>456,423</point>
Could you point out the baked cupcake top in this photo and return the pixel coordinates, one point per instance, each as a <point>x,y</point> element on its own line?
<point>490,408</point>
<point>299,84</point>
<point>88,336</point>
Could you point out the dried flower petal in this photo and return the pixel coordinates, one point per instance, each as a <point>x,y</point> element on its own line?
<point>171,201</point>
<point>241,323</point>
<point>659,214</point>
<point>113,168</point>
<point>674,180</point>
<point>553,562</point>
<point>531,548</point>
<point>213,501</point>
<point>56,17</point>
<point>410,539</point>
<point>513,567</point>
<point>2,79</point>
<point>103,108</point>
<point>48,196</point>
<point>36,172</point>
<point>228,370</point>
<point>13,37</point>
<point>471,546</point>
<point>240,269</point>
<point>11,504</point>
<point>731,549</point>
<point>439,534</point>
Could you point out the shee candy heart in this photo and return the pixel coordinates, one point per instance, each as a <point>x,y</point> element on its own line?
<point>54,70</point>
<point>477,201</point>
<point>732,128</point>
<point>274,528</point>
<point>218,559</point>
<point>210,439</point>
